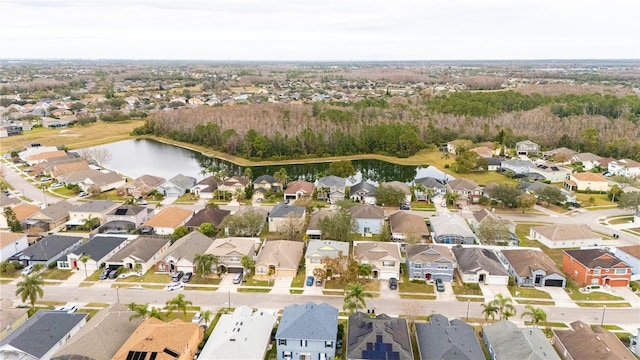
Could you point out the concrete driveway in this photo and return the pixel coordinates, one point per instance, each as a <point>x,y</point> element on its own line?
<point>559,296</point>
<point>490,291</point>
<point>448,294</point>
<point>281,285</point>
<point>386,293</point>
<point>627,294</point>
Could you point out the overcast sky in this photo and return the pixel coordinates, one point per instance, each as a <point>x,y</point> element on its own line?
<point>320,30</point>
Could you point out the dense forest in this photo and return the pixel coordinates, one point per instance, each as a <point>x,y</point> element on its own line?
<point>400,126</point>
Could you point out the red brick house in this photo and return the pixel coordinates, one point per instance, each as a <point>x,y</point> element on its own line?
<point>596,267</point>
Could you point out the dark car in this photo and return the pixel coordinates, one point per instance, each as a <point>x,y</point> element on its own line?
<point>309,280</point>
<point>177,276</point>
<point>393,283</point>
<point>405,207</point>
<point>113,273</point>
<point>187,277</point>
<point>439,285</point>
<point>104,274</point>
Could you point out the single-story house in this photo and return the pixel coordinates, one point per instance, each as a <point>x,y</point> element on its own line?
<point>517,166</point>
<point>369,218</point>
<point>550,172</point>
<point>206,187</point>
<point>588,160</point>
<point>298,189</point>
<point>140,254</point>
<point>586,181</point>
<point>141,186</point>
<point>11,244</point>
<point>11,318</point>
<point>284,215</point>
<point>99,249</point>
<point>399,186</point>
<point>48,249</point>
<point>505,340</point>
<point>94,209</point>
<point>181,255</point>
<point>449,228</point>
<point>408,228</point>
<point>382,337</point>
<point>320,249</point>
<point>383,257</point>
<point>429,262</point>
<point>443,339</point>
<point>134,214</point>
<point>279,258</point>
<point>230,252</point>
<point>565,235</point>
<point>233,184</point>
<point>313,228</point>
<point>363,192</point>
<point>49,219</point>
<point>479,265</point>
<point>209,214</point>
<point>428,185</point>
<point>454,145</point>
<point>533,268</point>
<point>176,186</point>
<point>585,342</point>
<point>624,167</point>
<point>168,219</point>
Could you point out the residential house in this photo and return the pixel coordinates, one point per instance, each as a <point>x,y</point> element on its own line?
<point>331,188</point>
<point>368,218</point>
<point>102,337</point>
<point>400,186</point>
<point>168,219</point>
<point>494,163</point>
<point>283,216</point>
<point>47,250</point>
<point>585,342</point>
<point>536,187</point>
<point>428,186</point>
<point>565,235</point>
<point>250,211</point>
<point>624,167</point>
<point>531,267</point>
<point>363,192</point>
<point>209,214</point>
<point>549,172</point>
<point>141,187</point>
<point>408,228</point>
<point>307,331</point>
<point>298,189</point>
<point>382,337</point>
<point>505,340</point>
<point>560,155</point>
<point>177,186</point>
<point>12,243</point>
<point>384,258</point>
<point>48,219</point>
<point>230,252</point>
<point>631,256</point>
<point>449,228</point>
<point>94,209</point>
<point>41,335</point>
<point>99,249</point>
<point>125,216</point>
<point>140,254</point>
<point>11,318</point>
<point>588,160</point>
<point>483,151</point>
<point>313,228</point>
<point>44,156</point>
<point>35,150</point>
<point>279,258</point>
<point>267,182</point>
<point>93,180</point>
<point>5,201</point>
<point>596,267</point>
<point>443,339</point>
<point>233,184</point>
<point>479,265</point>
<point>478,217</point>
<point>181,255</point>
<point>429,262</point>
<point>206,188</point>
<point>177,339</point>
<point>527,147</point>
<point>242,335</point>
<point>320,249</point>
<point>61,168</point>
<point>467,190</point>
<point>586,181</point>
<point>517,166</point>
<point>454,145</point>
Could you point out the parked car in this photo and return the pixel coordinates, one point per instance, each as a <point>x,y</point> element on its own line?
<point>187,277</point>
<point>177,276</point>
<point>45,179</point>
<point>237,278</point>
<point>174,286</point>
<point>104,274</point>
<point>443,204</point>
<point>143,202</point>
<point>439,285</point>
<point>309,280</point>
<point>70,309</point>
<point>83,194</point>
<point>393,283</point>
<point>405,207</point>
<point>55,186</point>
<point>318,282</point>
<point>197,318</point>
<point>27,270</point>
<point>113,274</point>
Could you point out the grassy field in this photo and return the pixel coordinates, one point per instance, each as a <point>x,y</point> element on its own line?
<point>204,280</point>
<point>299,280</point>
<point>621,220</point>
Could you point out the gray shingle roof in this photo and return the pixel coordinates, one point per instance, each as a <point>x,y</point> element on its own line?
<point>210,215</point>
<point>142,248</point>
<point>364,187</point>
<point>441,339</point>
<point>95,206</point>
<point>283,210</point>
<point>429,253</point>
<point>308,321</point>
<point>49,247</point>
<point>365,331</point>
<point>42,331</point>
<point>99,246</point>
<point>510,342</point>
<point>265,179</point>
<point>471,260</point>
<point>329,181</point>
<point>330,248</point>
<point>182,181</point>
<point>366,211</point>
<point>188,246</point>
<point>58,211</point>
<point>430,183</point>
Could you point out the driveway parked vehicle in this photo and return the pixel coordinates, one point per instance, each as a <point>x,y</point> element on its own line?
<point>83,194</point>
<point>177,276</point>
<point>318,282</point>
<point>187,277</point>
<point>104,274</point>
<point>393,283</point>
<point>439,285</point>
<point>55,186</point>
<point>197,318</point>
<point>237,278</point>
<point>309,280</point>
<point>113,274</point>
<point>27,270</point>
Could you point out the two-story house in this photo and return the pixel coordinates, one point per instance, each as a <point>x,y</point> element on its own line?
<point>408,228</point>
<point>320,249</point>
<point>428,187</point>
<point>624,167</point>
<point>95,209</point>
<point>331,188</point>
<point>399,186</point>
<point>267,182</point>
<point>467,189</point>
<point>363,192</point>
<point>368,218</point>
<point>141,186</point>
<point>230,252</point>
<point>98,249</point>
<point>181,255</point>
<point>449,228</point>
<point>177,185</point>
<point>596,267</point>
<point>429,262</point>
<point>527,147</point>
<point>126,216</point>
<point>384,258</point>
<point>283,216</point>
<point>307,332</point>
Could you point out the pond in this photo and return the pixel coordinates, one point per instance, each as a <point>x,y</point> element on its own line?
<point>137,157</point>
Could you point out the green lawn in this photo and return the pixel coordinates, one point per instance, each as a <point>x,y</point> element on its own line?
<point>95,276</point>
<point>472,299</point>
<point>536,302</point>
<point>251,281</point>
<point>205,280</point>
<point>417,296</point>
<point>57,274</point>
<point>610,327</point>
<point>466,289</point>
<point>299,280</point>
<point>527,292</point>
<point>149,277</point>
<point>600,305</point>
<point>12,274</point>
<point>575,294</point>
<point>415,286</point>
<point>548,324</point>
<point>621,220</point>
<point>248,289</point>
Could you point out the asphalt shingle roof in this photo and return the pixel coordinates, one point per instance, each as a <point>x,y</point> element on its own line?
<point>99,246</point>
<point>49,247</point>
<point>308,321</point>
<point>471,260</point>
<point>283,210</point>
<point>596,258</point>
<point>441,339</point>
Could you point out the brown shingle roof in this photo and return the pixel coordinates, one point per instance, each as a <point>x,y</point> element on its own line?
<point>588,176</point>
<point>404,223</point>
<point>525,261</point>
<point>296,186</point>
<point>23,211</point>
<point>596,258</point>
<point>284,254</point>
<point>376,250</point>
<point>7,238</point>
<point>566,232</point>
<point>170,217</point>
<point>583,342</point>
<point>633,250</point>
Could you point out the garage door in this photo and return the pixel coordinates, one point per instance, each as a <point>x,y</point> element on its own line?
<point>234,270</point>
<point>551,282</point>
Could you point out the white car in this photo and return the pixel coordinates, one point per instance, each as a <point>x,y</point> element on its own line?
<point>55,185</point>
<point>27,270</point>
<point>70,309</point>
<point>197,318</point>
<point>174,286</point>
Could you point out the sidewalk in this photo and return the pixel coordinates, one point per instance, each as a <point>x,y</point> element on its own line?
<point>560,297</point>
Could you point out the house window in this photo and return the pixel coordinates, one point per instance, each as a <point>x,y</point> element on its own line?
<point>261,270</point>
<point>621,271</point>
<point>389,263</point>
<point>367,230</point>
<point>442,267</point>
<point>596,272</point>
<point>234,259</point>
<point>594,281</point>
<point>314,261</point>
<point>283,342</point>
<point>417,266</point>
<point>328,344</point>
<point>303,343</point>
<point>286,354</point>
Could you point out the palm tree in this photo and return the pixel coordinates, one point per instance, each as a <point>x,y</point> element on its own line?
<point>248,263</point>
<point>489,310</point>
<point>178,303</point>
<point>84,259</point>
<point>354,297</point>
<point>537,315</point>
<point>204,263</point>
<point>38,267</point>
<point>451,197</point>
<point>30,288</point>
<point>206,315</point>
<point>141,310</point>
<point>505,306</point>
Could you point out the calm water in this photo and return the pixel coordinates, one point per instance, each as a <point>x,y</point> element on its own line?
<point>134,158</point>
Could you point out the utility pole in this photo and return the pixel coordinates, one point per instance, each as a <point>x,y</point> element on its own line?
<point>604,309</point>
